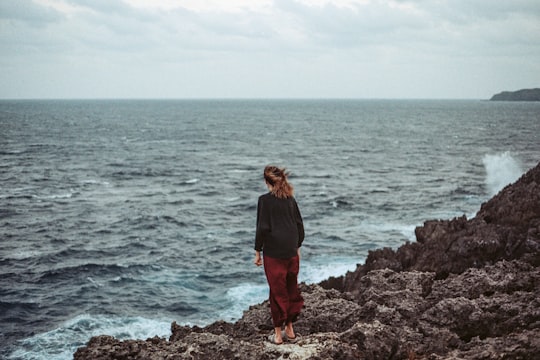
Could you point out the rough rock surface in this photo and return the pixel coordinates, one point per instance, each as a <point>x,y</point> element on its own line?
<point>467,289</point>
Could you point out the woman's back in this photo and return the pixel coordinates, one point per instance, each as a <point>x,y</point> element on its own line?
<point>280,229</point>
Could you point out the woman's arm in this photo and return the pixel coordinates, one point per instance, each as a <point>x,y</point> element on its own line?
<point>258,260</point>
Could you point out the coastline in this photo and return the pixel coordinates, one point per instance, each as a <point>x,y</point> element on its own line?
<point>467,288</point>
<point>518,95</point>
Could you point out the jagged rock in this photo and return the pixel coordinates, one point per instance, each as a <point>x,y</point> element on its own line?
<point>467,289</point>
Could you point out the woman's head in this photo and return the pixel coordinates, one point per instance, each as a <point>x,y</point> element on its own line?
<point>277,178</point>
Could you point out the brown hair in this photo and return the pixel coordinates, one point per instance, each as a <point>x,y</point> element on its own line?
<point>277,178</point>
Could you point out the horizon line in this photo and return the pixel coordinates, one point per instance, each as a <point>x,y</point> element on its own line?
<point>225,98</point>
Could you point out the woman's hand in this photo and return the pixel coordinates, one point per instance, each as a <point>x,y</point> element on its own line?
<point>258,260</point>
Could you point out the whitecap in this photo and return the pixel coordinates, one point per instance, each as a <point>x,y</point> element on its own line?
<point>56,196</point>
<point>239,171</point>
<point>94,182</point>
<point>93,282</point>
<point>61,343</point>
<point>22,254</point>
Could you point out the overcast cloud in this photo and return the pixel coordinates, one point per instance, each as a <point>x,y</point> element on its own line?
<point>268,49</point>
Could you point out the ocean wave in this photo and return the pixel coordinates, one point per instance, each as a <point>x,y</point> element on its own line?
<point>175,221</point>
<point>181,202</point>
<point>241,296</point>
<point>388,228</point>
<point>89,271</point>
<point>142,173</point>
<point>12,311</point>
<point>95,182</point>
<point>62,342</point>
<point>8,212</point>
<point>58,196</point>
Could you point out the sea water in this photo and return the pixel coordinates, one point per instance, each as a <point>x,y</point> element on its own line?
<point>119,217</point>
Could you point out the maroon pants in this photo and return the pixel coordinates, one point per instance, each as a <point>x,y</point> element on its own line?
<point>286,302</point>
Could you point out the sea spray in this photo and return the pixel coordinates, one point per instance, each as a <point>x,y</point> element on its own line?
<point>501,170</point>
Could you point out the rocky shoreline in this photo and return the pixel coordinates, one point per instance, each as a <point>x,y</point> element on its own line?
<point>466,289</point>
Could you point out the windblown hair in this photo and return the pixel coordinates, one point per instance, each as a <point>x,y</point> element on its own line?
<point>277,178</point>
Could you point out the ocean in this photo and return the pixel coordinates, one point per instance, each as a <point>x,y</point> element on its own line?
<point>120,216</point>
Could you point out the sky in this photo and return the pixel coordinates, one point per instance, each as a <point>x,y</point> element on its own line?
<point>185,49</point>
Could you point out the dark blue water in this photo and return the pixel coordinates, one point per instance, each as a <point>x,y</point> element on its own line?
<point>119,217</point>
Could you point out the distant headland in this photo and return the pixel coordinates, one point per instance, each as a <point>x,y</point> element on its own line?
<point>519,95</point>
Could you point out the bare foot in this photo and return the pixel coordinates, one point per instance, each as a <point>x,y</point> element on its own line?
<point>273,338</point>
<point>289,332</point>
<point>278,339</point>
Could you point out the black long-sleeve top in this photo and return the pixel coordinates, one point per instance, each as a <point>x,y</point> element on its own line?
<point>280,229</point>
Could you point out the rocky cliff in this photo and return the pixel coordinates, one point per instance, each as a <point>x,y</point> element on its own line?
<point>466,289</point>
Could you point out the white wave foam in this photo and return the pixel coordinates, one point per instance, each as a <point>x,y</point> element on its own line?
<point>61,343</point>
<point>242,297</point>
<point>320,269</point>
<point>22,254</point>
<point>240,171</point>
<point>390,228</point>
<point>501,170</point>
<point>56,196</point>
<point>94,182</point>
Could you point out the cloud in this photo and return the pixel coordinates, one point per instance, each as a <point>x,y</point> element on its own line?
<point>28,12</point>
<point>463,11</point>
<point>104,6</point>
<point>363,48</point>
<point>355,25</point>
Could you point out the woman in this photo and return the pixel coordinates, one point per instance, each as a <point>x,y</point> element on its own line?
<point>279,235</point>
